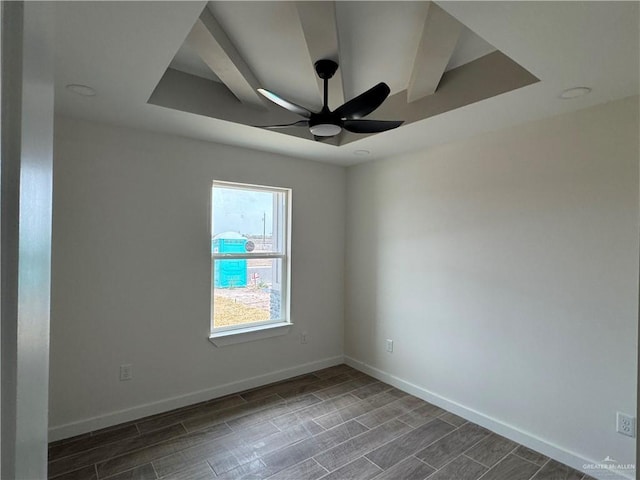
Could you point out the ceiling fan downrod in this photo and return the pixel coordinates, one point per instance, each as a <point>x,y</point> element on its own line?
<point>324,124</point>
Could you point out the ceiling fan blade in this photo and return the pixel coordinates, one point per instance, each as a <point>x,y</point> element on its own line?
<point>286,104</point>
<point>299,123</point>
<point>365,103</point>
<point>371,126</point>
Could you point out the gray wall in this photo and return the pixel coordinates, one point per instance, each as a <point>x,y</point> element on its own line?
<point>131,273</point>
<point>505,269</point>
<point>25,235</point>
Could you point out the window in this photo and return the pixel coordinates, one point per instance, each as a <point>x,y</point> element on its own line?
<point>250,258</point>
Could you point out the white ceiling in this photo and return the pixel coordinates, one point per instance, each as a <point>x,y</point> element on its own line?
<point>469,47</point>
<point>122,49</point>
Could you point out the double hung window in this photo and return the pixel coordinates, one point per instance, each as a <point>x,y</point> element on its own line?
<point>250,256</point>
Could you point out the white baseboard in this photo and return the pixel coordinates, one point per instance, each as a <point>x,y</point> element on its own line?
<point>528,440</point>
<point>114,418</point>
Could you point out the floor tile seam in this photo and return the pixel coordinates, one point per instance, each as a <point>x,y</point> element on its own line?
<point>233,454</point>
<point>322,451</point>
<point>95,470</point>
<point>285,392</point>
<point>278,430</point>
<point>535,473</point>
<point>382,470</point>
<point>452,424</point>
<point>187,408</point>
<point>181,422</point>
<point>504,458</point>
<point>278,383</point>
<point>539,467</point>
<point>517,445</point>
<point>317,404</point>
<point>294,465</point>
<point>542,466</point>
<point>261,456</point>
<point>445,436</point>
<point>548,461</point>
<point>494,466</point>
<point>425,403</point>
<point>119,455</point>
<point>239,429</point>
<point>179,470</point>
<point>342,383</point>
<point>166,441</point>
<point>64,441</point>
<point>414,454</point>
<point>379,446</point>
<point>355,459</point>
<point>383,445</point>
<point>234,468</point>
<point>124,471</point>
<point>227,419</point>
<point>271,418</point>
<point>422,461</point>
<point>335,409</point>
<point>384,406</point>
<point>464,452</point>
<point>525,459</point>
<point>426,463</point>
<point>477,461</point>
<point>360,400</point>
<point>473,460</point>
<point>427,446</point>
<point>338,384</point>
<point>101,445</point>
<point>153,467</point>
<point>389,387</point>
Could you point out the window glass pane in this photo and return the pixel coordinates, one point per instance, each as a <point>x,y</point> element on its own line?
<point>246,221</point>
<point>247,291</point>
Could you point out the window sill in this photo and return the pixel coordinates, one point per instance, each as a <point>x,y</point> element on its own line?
<point>249,334</point>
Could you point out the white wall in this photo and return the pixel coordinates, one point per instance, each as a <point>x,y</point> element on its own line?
<point>505,269</point>
<point>131,273</point>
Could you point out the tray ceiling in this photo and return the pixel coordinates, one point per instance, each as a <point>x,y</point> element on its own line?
<point>126,51</point>
<point>431,61</point>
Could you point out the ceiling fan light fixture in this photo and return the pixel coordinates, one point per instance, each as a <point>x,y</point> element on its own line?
<point>325,129</point>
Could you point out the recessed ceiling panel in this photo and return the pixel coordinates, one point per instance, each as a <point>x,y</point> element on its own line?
<point>428,59</point>
<point>187,60</point>
<point>269,37</point>
<point>470,47</point>
<point>378,43</point>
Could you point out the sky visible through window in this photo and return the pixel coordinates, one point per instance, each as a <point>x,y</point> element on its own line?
<point>242,211</point>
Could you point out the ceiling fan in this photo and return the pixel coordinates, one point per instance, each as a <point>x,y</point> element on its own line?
<point>348,116</point>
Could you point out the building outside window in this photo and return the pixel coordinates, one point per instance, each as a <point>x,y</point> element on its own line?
<point>250,256</point>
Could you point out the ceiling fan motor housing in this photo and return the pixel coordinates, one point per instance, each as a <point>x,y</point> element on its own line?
<point>325,68</point>
<point>324,124</point>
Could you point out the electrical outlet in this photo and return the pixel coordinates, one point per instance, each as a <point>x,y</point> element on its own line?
<point>126,372</point>
<point>303,338</point>
<point>389,345</point>
<point>626,424</point>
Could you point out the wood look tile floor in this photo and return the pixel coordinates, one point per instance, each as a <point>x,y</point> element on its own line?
<point>333,424</point>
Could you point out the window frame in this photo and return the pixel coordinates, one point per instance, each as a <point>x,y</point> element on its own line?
<point>221,336</point>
